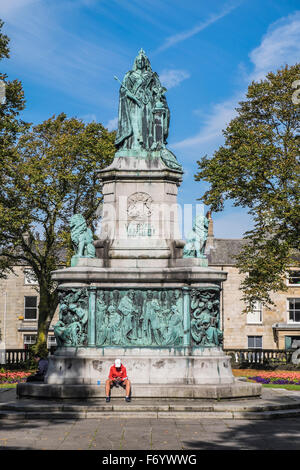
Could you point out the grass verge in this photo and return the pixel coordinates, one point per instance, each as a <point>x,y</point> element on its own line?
<point>286,386</point>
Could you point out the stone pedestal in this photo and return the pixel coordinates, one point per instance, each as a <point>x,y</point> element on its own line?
<point>140,211</point>
<point>86,366</point>
<point>145,298</point>
<point>139,300</point>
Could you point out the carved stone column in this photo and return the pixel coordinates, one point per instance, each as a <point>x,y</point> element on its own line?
<point>92,317</point>
<point>186,317</point>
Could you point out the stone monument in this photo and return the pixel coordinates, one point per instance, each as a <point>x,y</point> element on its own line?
<point>139,292</point>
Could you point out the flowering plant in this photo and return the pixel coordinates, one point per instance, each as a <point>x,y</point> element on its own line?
<point>280,377</point>
<point>9,377</point>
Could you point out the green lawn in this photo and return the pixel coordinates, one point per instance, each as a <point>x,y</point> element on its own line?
<point>8,385</point>
<point>286,386</point>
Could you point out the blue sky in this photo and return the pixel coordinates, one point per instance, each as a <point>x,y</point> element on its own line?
<point>66,53</point>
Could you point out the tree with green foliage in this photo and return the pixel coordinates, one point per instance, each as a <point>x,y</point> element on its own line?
<point>53,175</point>
<point>258,168</point>
<point>11,126</point>
<point>47,173</point>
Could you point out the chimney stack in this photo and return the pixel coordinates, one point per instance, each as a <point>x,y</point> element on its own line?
<point>210,225</point>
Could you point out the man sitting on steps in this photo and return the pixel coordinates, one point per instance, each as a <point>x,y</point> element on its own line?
<point>41,371</point>
<point>117,376</point>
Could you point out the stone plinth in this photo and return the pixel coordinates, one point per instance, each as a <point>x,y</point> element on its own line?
<point>140,210</point>
<point>144,366</point>
<point>183,367</point>
<point>237,389</point>
<point>178,366</point>
<point>90,272</point>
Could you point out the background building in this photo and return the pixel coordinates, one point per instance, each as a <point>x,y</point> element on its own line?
<point>264,328</point>
<point>19,299</point>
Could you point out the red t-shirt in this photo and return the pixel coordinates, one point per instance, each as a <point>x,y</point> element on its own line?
<point>114,373</point>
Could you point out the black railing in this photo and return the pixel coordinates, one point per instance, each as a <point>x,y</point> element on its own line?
<point>259,356</point>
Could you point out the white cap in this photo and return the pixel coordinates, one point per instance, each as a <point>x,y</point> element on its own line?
<point>118,362</point>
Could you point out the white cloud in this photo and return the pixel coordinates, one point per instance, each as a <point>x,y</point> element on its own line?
<point>213,123</point>
<point>89,118</point>
<point>12,7</point>
<point>48,53</point>
<point>182,36</point>
<point>173,77</point>
<point>280,46</point>
<point>112,124</point>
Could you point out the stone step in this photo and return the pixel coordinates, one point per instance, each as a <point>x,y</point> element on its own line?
<point>118,406</point>
<point>237,389</point>
<point>174,414</point>
<point>181,409</point>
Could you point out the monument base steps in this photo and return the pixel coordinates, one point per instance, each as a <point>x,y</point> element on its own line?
<point>238,389</point>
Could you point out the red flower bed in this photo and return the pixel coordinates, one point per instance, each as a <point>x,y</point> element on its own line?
<point>273,377</point>
<point>9,377</point>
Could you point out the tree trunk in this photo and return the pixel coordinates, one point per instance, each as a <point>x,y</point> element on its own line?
<point>47,307</point>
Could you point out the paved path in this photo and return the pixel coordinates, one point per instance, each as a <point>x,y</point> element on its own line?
<point>148,434</point>
<point>114,433</point>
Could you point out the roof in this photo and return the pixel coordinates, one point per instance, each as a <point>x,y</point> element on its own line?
<point>223,251</point>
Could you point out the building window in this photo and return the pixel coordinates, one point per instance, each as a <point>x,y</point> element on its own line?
<point>294,277</point>
<point>29,277</point>
<point>254,342</point>
<point>28,340</point>
<point>294,310</point>
<point>255,315</point>
<point>30,308</point>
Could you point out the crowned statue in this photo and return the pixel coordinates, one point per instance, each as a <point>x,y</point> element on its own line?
<point>144,115</point>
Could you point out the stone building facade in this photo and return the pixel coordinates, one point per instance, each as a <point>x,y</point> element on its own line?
<point>276,328</point>
<point>19,299</point>
<point>265,328</point>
